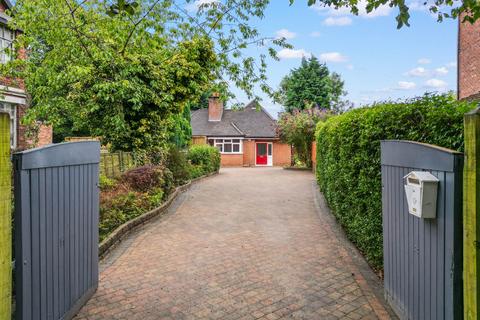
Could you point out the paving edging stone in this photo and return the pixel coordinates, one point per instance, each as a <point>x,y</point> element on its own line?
<point>119,233</point>
<point>297,169</point>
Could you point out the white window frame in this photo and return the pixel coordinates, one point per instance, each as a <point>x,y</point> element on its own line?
<point>11,110</point>
<point>219,142</point>
<point>7,36</point>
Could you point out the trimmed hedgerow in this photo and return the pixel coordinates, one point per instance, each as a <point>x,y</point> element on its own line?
<point>204,159</point>
<point>348,158</point>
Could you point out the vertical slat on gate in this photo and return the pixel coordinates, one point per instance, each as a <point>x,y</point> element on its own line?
<point>43,245</point>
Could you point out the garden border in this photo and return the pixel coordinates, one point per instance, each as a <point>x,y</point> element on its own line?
<point>298,169</point>
<point>122,231</point>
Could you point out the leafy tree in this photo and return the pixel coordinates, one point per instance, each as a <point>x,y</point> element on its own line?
<point>441,8</point>
<point>311,85</point>
<point>298,129</point>
<point>125,70</point>
<point>180,130</point>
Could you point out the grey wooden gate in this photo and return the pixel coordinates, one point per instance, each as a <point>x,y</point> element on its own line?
<point>422,257</point>
<point>56,229</point>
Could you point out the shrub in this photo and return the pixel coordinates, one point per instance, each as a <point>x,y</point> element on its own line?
<point>121,204</point>
<point>105,183</point>
<point>195,171</point>
<point>143,178</point>
<point>177,163</point>
<point>348,158</point>
<point>206,156</point>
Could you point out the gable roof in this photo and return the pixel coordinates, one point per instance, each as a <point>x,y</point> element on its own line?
<point>247,122</point>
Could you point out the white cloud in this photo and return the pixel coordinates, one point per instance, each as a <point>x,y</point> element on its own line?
<point>197,4</point>
<point>436,84</point>
<point>332,57</point>
<point>452,64</point>
<point>293,54</point>
<point>441,71</point>
<point>315,34</point>
<point>350,67</point>
<point>418,6</point>
<point>287,34</point>
<point>417,72</point>
<point>424,61</point>
<point>381,11</point>
<point>341,21</point>
<point>406,85</point>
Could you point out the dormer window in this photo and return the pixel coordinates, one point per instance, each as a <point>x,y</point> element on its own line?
<point>6,40</point>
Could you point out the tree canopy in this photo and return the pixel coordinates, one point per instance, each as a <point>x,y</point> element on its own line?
<point>311,85</point>
<point>443,9</point>
<point>125,70</point>
<point>298,129</point>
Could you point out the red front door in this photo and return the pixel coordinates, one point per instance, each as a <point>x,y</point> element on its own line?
<point>262,158</point>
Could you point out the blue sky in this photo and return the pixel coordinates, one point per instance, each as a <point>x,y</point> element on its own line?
<point>376,60</point>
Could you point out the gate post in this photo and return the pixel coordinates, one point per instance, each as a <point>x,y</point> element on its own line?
<point>5,219</point>
<point>471,215</point>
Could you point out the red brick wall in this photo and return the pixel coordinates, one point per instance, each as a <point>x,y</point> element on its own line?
<point>282,154</point>
<point>231,160</point>
<point>249,153</point>
<point>45,133</point>
<point>469,60</point>
<point>314,155</point>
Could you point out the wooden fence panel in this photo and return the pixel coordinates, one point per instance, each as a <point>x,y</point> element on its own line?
<point>113,165</point>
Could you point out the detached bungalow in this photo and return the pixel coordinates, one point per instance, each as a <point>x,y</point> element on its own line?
<point>246,137</point>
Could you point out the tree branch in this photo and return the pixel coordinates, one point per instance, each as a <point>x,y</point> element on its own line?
<point>130,34</point>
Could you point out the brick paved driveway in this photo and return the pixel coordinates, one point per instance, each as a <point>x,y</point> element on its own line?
<point>246,244</point>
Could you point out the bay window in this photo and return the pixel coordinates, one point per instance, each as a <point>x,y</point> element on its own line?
<point>227,145</point>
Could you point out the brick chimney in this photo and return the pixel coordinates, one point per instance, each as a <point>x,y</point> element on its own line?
<point>215,107</point>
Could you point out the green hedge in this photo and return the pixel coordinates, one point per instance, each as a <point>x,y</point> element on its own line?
<point>204,159</point>
<point>348,158</point>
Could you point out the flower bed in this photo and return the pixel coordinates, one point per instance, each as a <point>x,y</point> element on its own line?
<point>145,188</point>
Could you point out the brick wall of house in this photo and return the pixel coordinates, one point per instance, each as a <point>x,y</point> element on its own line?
<point>232,160</point>
<point>45,133</point>
<point>282,155</point>
<point>249,152</point>
<point>469,61</point>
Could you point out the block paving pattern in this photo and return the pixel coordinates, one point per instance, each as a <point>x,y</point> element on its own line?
<point>246,244</point>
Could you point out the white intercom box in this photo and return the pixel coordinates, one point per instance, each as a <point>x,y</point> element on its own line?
<point>421,191</point>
